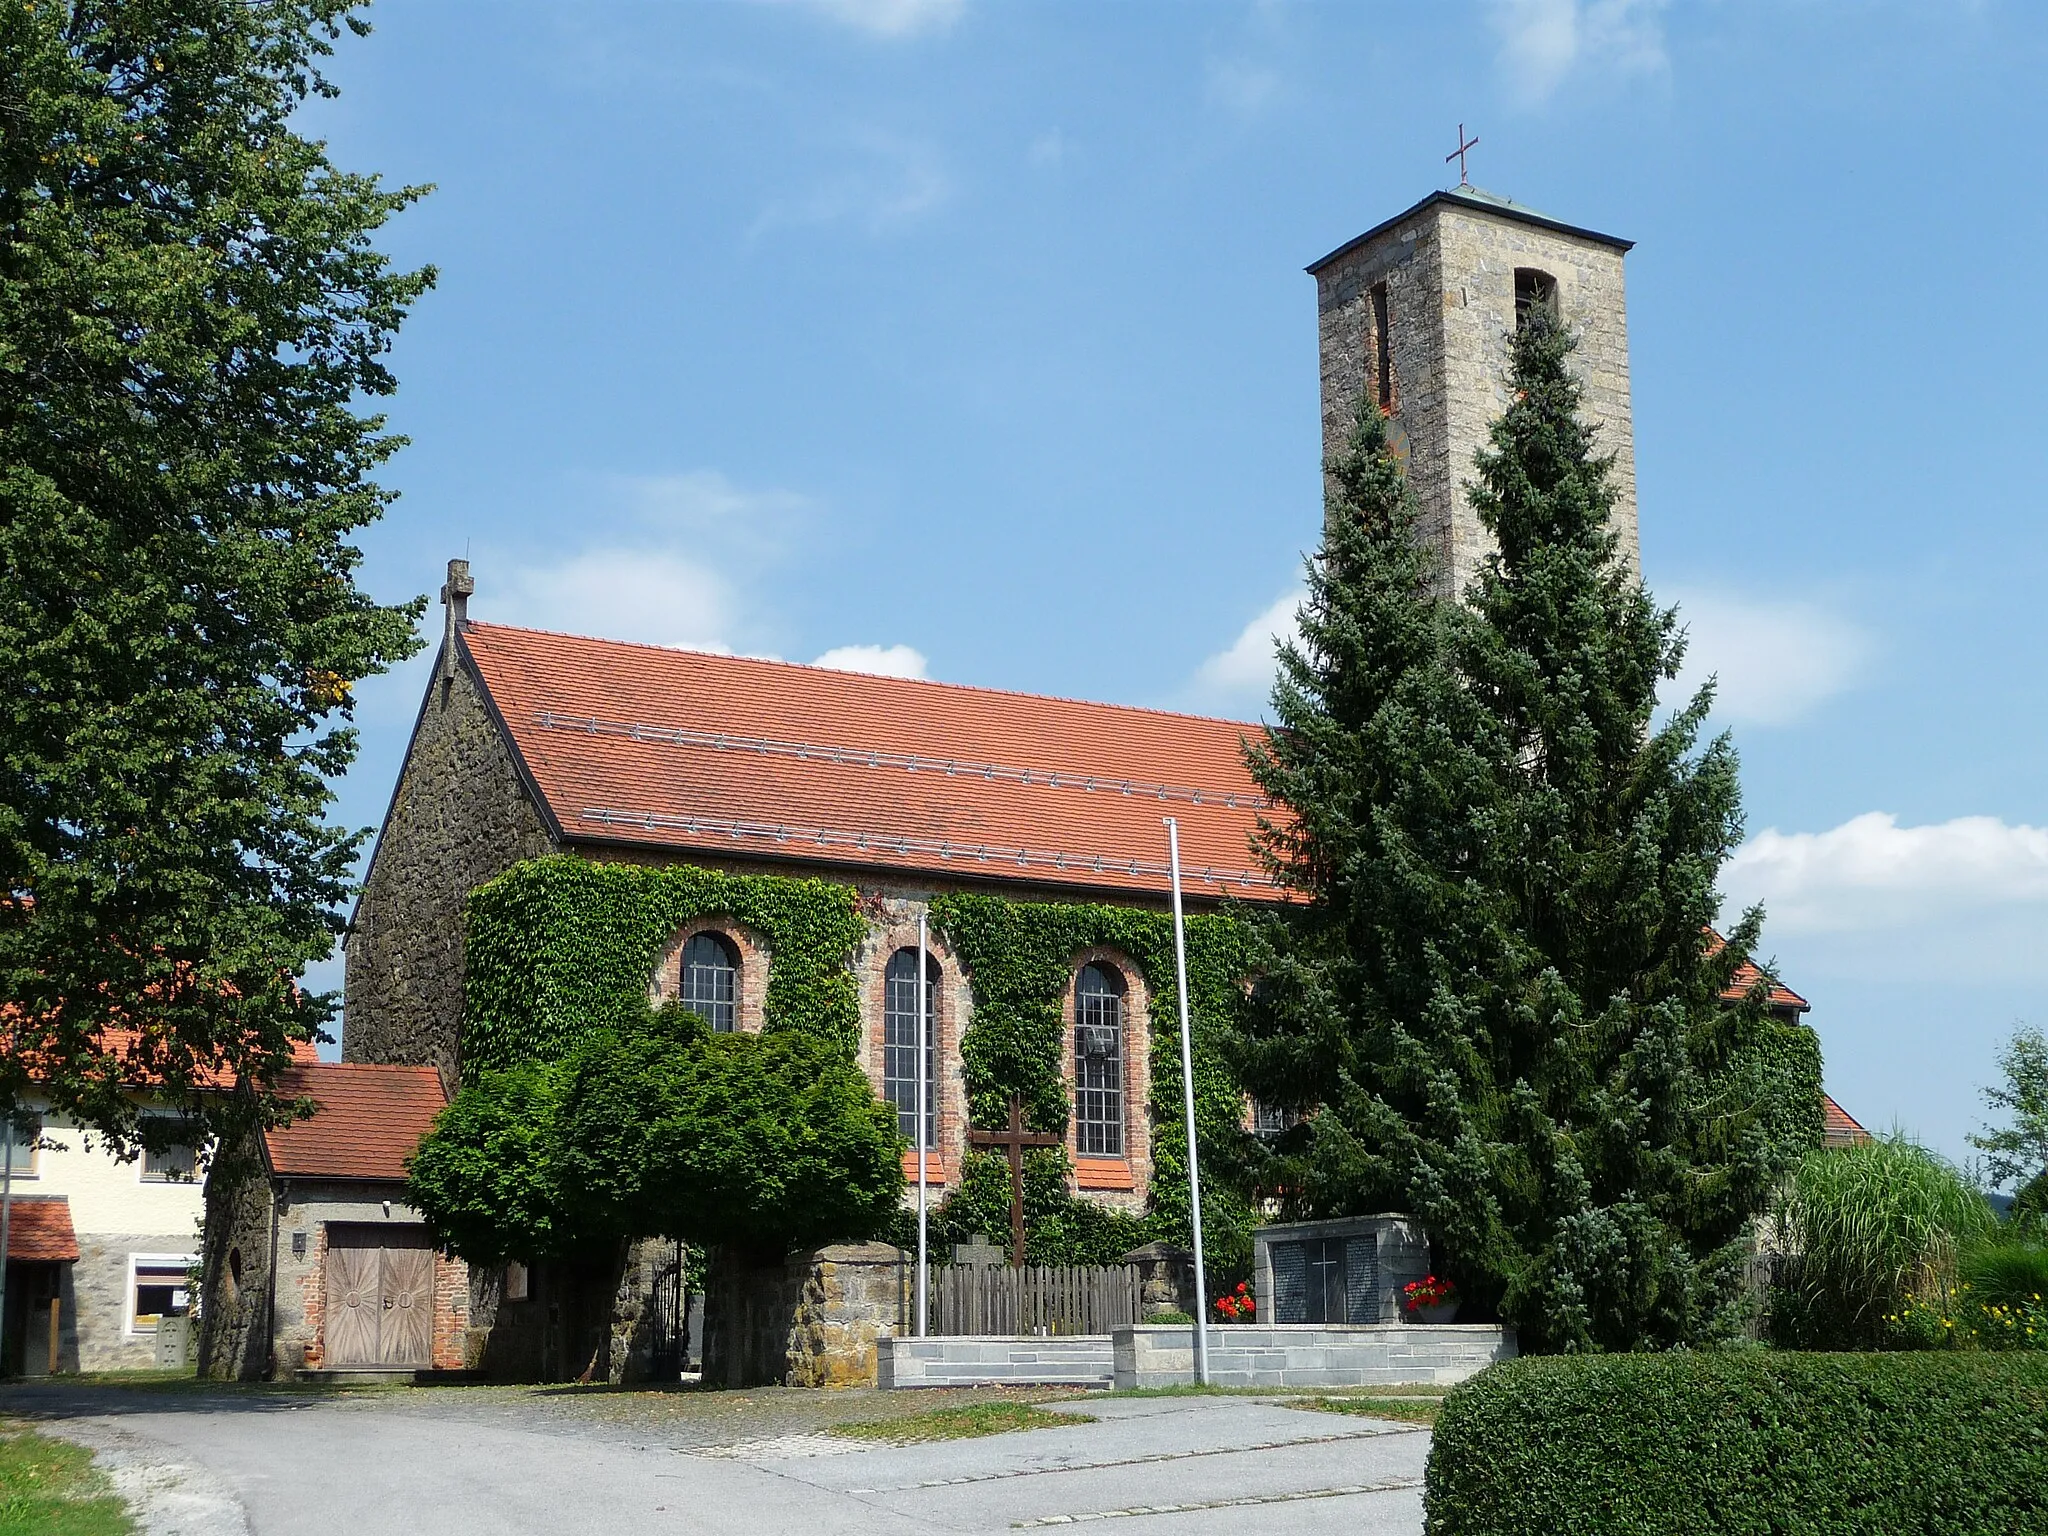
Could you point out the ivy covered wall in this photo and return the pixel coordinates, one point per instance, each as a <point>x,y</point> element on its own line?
<point>1020,957</point>
<point>561,944</point>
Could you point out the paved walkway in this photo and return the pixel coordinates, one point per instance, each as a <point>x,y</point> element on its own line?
<point>407,1462</point>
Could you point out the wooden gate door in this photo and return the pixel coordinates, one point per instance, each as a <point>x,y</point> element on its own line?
<point>407,1333</point>
<point>380,1296</point>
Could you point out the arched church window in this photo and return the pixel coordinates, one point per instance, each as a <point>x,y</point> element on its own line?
<point>711,980</point>
<point>1099,994</point>
<point>1534,290</point>
<point>900,1034</point>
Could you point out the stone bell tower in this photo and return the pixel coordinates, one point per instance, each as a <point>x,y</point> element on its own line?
<point>1419,311</point>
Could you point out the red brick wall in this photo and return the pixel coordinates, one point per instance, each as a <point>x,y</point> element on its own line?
<point>451,1313</point>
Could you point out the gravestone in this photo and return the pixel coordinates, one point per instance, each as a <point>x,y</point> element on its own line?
<point>978,1253</point>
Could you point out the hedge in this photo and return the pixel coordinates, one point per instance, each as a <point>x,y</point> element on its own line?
<point>1746,1441</point>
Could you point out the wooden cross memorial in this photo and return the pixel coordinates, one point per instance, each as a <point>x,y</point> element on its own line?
<point>1015,1139</point>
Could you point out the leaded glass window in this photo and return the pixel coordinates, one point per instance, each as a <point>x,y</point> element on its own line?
<point>899,1043</point>
<point>1099,1062</point>
<point>711,981</point>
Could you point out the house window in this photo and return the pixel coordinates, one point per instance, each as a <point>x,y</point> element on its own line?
<point>1384,341</point>
<point>19,1146</point>
<point>172,1163</point>
<point>1271,1120</point>
<point>518,1282</point>
<point>899,1042</point>
<point>1534,290</point>
<point>158,1287</point>
<point>711,980</point>
<point>1099,1062</point>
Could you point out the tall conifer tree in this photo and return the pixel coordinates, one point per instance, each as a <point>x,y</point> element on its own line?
<point>1497,996</point>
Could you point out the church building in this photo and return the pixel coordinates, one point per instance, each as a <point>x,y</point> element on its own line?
<point>530,744</point>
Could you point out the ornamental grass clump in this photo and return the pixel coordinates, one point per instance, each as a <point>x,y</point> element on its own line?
<point>1874,1233</point>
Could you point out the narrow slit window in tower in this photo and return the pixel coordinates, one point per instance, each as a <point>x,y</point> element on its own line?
<point>1384,342</point>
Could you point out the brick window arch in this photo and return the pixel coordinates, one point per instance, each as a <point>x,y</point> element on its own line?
<point>900,1034</point>
<point>718,969</point>
<point>711,980</point>
<point>1101,1017</point>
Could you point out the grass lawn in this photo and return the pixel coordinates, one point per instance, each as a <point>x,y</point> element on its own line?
<point>50,1488</point>
<point>962,1423</point>
<point>1410,1410</point>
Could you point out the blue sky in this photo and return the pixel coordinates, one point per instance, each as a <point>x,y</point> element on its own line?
<point>975,334</point>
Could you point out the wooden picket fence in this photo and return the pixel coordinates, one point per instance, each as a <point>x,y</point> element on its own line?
<point>1038,1299</point>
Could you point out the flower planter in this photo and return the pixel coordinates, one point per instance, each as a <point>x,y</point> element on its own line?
<point>1446,1313</point>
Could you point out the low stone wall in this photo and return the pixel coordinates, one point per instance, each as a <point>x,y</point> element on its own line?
<point>1311,1355</point>
<point>1070,1360</point>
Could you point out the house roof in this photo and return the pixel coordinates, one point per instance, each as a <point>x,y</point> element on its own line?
<point>1838,1129</point>
<point>367,1122</point>
<point>39,1230</point>
<point>680,750</point>
<point>1746,976</point>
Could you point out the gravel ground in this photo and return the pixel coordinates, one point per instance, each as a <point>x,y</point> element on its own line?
<point>204,1461</point>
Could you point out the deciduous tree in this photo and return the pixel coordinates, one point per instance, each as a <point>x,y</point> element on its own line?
<point>192,314</point>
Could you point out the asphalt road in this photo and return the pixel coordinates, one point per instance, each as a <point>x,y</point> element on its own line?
<point>409,1463</point>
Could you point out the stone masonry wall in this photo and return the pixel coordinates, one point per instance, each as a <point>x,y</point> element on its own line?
<point>1450,276</point>
<point>810,1320</point>
<point>99,1298</point>
<point>459,817</point>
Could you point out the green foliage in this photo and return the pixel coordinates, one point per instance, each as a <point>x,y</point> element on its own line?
<point>2017,1153</point>
<point>2007,1269</point>
<point>1497,991</point>
<point>488,1176</point>
<point>561,946</point>
<point>1870,1228</point>
<point>191,315</point>
<point>1020,957</point>
<point>763,1142</point>
<point>1745,1443</point>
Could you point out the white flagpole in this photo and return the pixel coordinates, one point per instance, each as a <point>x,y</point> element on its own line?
<point>923,1094</point>
<point>1187,1086</point>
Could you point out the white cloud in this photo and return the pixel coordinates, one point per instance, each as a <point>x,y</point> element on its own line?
<point>1872,873</point>
<point>1240,677</point>
<point>1544,41</point>
<point>891,18</point>
<point>647,594</point>
<point>1775,660</point>
<point>880,660</point>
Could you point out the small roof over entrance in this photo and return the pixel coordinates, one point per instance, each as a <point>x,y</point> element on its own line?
<point>39,1230</point>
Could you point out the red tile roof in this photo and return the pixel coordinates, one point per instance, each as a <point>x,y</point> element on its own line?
<point>369,1120</point>
<point>1746,976</point>
<point>1838,1129</point>
<point>39,1230</point>
<point>681,750</point>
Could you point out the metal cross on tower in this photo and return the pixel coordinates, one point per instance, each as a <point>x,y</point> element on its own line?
<point>1458,155</point>
<point>1015,1140</point>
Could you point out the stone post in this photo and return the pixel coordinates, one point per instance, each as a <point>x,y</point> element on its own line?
<point>1166,1278</point>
